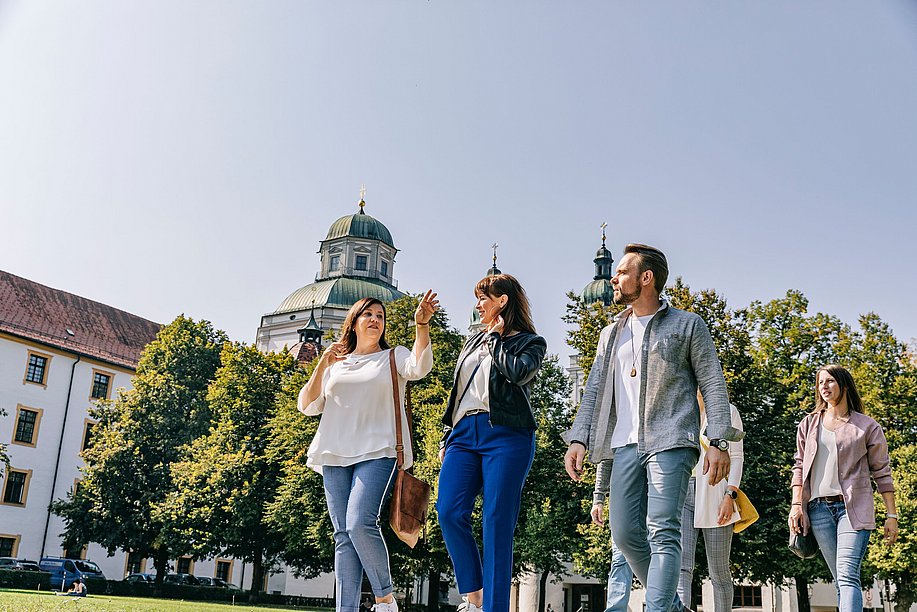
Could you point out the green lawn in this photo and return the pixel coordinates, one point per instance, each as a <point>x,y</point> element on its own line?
<point>31,601</point>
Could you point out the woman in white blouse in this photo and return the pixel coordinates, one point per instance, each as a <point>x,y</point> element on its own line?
<point>354,447</point>
<point>711,509</point>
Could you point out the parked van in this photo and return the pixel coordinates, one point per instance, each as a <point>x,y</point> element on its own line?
<point>65,571</point>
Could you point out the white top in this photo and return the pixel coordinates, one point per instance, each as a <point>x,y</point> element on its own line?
<point>358,416</point>
<point>825,482</point>
<point>707,499</point>
<point>627,387</point>
<point>476,398</point>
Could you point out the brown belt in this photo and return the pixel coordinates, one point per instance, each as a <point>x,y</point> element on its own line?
<point>830,498</point>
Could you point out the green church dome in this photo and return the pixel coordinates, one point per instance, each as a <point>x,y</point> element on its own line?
<point>599,290</point>
<point>360,225</point>
<point>338,292</point>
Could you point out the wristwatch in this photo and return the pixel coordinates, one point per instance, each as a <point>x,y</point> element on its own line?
<point>731,493</point>
<point>721,444</point>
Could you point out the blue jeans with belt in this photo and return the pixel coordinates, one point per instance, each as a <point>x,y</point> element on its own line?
<point>355,494</point>
<point>493,460</point>
<point>843,548</point>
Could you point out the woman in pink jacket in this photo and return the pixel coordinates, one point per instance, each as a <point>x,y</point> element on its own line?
<point>838,450</point>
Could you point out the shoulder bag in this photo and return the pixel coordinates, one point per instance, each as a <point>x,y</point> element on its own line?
<point>748,514</point>
<point>411,495</point>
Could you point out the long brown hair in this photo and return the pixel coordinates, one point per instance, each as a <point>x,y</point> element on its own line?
<point>349,334</point>
<point>517,316</point>
<point>845,384</point>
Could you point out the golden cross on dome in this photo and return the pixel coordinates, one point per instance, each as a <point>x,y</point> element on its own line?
<point>604,225</point>
<point>362,196</point>
<point>494,247</point>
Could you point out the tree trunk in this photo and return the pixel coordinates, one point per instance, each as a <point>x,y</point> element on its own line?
<point>257,576</point>
<point>542,589</point>
<point>161,563</point>
<point>802,594</point>
<point>905,595</point>
<point>433,581</point>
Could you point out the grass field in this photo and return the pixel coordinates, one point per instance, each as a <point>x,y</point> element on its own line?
<point>31,601</point>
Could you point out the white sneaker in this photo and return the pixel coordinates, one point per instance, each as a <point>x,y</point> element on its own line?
<point>392,606</point>
<point>467,606</point>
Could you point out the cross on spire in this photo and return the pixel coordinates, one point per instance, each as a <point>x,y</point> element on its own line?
<point>494,247</point>
<point>362,197</point>
<point>604,225</point>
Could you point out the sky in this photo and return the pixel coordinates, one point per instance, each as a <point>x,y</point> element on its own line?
<point>171,157</point>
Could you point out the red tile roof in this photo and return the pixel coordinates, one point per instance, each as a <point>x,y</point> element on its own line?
<point>36,312</point>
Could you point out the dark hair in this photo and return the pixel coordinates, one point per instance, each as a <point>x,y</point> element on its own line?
<point>845,384</point>
<point>517,316</point>
<point>652,259</point>
<point>349,335</point>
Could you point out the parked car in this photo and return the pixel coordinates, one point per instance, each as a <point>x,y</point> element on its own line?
<point>141,578</point>
<point>64,572</point>
<point>212,582</point>
<point>181,579</point>
<point>11,563</point>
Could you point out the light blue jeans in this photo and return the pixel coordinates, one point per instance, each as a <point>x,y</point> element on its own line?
<point>648,494</point>
<point>355,494</point>
<point>620,581</point>
<point>843,548</point>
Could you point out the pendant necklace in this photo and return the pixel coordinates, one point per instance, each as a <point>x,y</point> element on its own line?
<point>633,367</point>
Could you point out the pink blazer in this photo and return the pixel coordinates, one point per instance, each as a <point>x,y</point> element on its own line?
<point>862,452</point>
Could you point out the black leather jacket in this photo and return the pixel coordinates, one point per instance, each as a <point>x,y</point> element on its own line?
<point>516,361</point>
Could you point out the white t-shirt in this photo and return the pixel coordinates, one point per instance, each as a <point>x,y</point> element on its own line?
<point>358,416</point>
<point>476,398</point>
<point>825,481</point>
<point>627,387</point>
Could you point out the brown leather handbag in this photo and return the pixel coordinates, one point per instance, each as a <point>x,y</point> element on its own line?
<point>411,495</point>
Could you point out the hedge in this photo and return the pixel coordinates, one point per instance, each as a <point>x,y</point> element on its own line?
<point>21,579</point>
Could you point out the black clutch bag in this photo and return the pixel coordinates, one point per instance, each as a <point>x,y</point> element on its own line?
<point>803,546</point>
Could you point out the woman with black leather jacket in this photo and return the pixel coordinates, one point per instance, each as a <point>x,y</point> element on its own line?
<point>489,442</point>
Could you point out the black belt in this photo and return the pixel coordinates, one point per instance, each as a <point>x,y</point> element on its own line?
<point>830,498</point>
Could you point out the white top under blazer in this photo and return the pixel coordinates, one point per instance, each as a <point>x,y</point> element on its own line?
<point>358,416</point>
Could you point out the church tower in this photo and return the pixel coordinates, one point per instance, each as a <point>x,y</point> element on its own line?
<point>475,325</point>
<point>356,260</point>
<point>600,289</point>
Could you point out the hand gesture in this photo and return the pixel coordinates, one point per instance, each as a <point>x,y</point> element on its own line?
<point>891,530</point>
<point>597,513</point>
<point>798,520</point>
<point>726,510</point>
<point>333,354</point>
<point>573,460</point>
<point>426,308</point>
<point>496,326</point>
<point>716,464</point>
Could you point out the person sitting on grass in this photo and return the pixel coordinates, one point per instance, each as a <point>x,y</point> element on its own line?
<point>78,589</point>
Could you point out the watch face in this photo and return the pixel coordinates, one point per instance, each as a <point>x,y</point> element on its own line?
<point>722,444</point>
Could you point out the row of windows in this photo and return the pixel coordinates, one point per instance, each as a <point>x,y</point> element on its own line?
<point>27,421</point>
<point>36,372</point>
<point>362,264</point>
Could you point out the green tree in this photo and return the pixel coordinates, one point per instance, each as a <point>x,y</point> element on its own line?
<point>138,437</point>
<point>587,321</point>
<point>224,485</point>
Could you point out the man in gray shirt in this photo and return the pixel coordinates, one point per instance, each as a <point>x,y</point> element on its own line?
<point>640,407</point>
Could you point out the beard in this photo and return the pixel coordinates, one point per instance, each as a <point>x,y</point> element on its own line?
<point>627,298</point>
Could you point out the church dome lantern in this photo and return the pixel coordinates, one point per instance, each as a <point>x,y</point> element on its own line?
<point>600,289</point>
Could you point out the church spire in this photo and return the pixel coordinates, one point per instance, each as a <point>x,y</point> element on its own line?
<point>362,197</point>
<point>603,260</point>
<point>494,270</point>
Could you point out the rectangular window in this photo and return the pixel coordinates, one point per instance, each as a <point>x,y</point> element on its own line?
<point>224,571</point>
<point>16,486</point>
<point>135,563</point>
<point>37,368</point>
<point>101,385</point>
<point>361,262</point>
<point>9,545</point>
<point>335,263</point>
<point>27,421</point>
<point>746,596</point>
<point>87,434</point>
<point>384,268</point>
<point>184,566</point>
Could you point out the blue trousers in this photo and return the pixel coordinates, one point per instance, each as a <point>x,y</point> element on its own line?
<point>644,510</point>
<point>493,460</point>
<point>620,581</point>
<point>843,548</point>
<point>355,494</point>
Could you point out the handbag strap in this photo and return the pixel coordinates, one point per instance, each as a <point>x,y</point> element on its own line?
<point>396,402</point>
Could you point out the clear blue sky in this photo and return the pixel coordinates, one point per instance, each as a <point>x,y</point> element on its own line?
<point>168,157</point>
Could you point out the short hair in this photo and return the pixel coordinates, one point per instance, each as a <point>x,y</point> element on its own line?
<point>349,335</point>
<point>652,259</point>
<point>845,385</point>
<point>517,315</point>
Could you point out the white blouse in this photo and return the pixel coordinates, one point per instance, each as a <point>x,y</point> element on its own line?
<point>707,499</point>
<point>477,396</point>
<point>358,416</point>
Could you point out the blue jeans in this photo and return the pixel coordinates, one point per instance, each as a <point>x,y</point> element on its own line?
<point>620,581</point>
<point>493,460</point>
<point>355,494</point>
<point>648,494</point>
<point>843,548</point>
